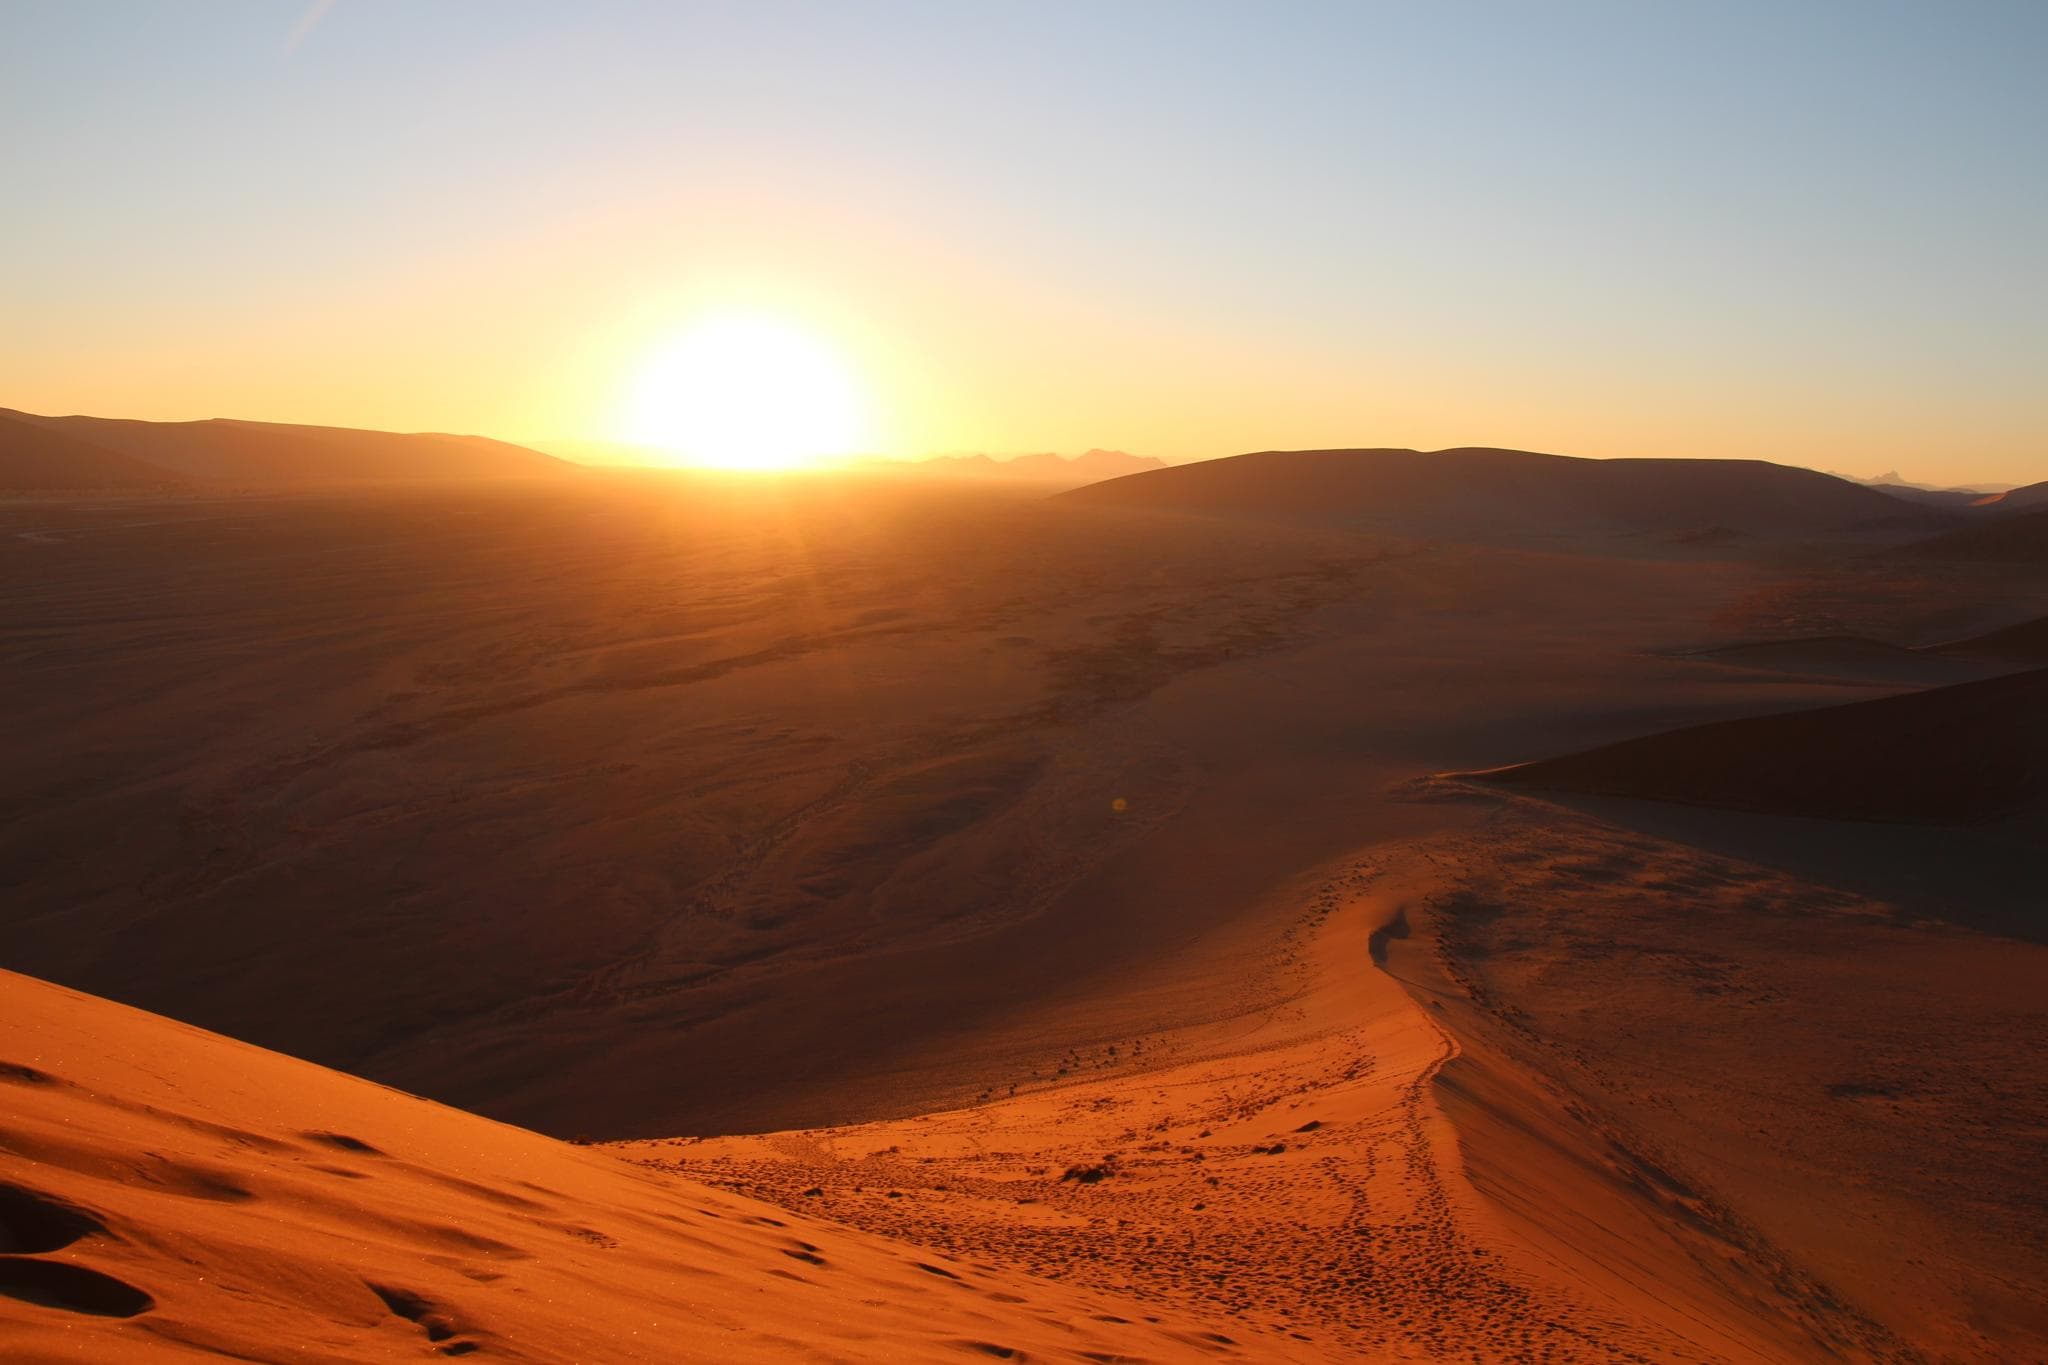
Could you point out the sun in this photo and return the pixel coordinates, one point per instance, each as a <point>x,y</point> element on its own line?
<point>747,392</point>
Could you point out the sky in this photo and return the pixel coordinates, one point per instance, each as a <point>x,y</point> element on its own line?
<point>1808,232</point>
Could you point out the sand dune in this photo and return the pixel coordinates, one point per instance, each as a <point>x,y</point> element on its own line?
<point>2016,499</point>
<point>1962,754</point>
<point>2025,642</point>
<point>2018,539</point>
<point>1293,1168</point>
<point>1849,657</point>
<point>1857,657</point>
<point>227,451</point>
<point>1498,491</point>
<point>1842,1094</point>
<point>801,797</point>
<point>1948,499</point>
<point>1010,833</point>
<point>35,458</point>
<point>169,1194</point>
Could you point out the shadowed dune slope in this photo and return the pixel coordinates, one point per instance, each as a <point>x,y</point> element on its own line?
<point>226,450</point>
<point>1514,490</point>
<point>167,1194</point>
<point>2026,641</point>
<point>1859,658</point>
<point>1949,499</point>
<point>2018,539</point>
<point>33,457</point>
<point>1951,755</point>
<point>1844,656</point>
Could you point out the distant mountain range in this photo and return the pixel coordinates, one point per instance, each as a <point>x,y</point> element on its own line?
<point>1893,483</point>
<point>105,453</point>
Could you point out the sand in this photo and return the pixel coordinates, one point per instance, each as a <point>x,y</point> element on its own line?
<point>170,1194</point>
<point>815,819</point>
<point>1967,754</point>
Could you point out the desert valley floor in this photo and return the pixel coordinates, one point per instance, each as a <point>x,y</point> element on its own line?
<point>909,921</point>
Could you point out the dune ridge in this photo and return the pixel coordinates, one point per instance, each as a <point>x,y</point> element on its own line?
<point>1497,489</point>
<point>1963,754</point>
<point>34,458</point>
<point>168,1194</point>
<point>858,815</point>
<point>230,451</point>
<point>2016,499</point>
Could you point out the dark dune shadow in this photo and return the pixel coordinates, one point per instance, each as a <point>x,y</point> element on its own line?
<point>1969,754</point>
<point>1986,880</point>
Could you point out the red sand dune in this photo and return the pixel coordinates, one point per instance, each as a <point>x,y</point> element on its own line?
<point>1483,488</point>
<point>168,1194</point>
<point>1951,755</point>
<point>974,841</point>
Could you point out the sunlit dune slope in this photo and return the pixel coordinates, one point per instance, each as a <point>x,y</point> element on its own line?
<point>34,457</point>
<point>1952,755</point>
<point>2017,499</point>
<point>2017,539</point>
<point>169,1194</point>
<point>230,451</point>
<point>1482,489</point>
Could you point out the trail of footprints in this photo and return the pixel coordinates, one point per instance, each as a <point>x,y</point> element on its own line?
<point>1339,1234</point>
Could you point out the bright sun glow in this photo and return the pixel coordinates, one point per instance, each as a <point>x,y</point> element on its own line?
<point>748,393</point>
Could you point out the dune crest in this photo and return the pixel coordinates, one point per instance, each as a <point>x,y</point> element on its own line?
<point>1481,490</point>
<point>228,451</point>
<point>168,1194</point>
<point>34,458</point>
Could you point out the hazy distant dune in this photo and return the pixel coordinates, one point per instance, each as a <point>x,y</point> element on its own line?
<point>1047,468</point>
<point>225,450</point>
<point>1487,490</point>
<point>1964,754</point>
<point>35,458</point>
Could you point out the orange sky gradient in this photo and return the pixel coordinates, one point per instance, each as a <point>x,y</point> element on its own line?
<point>429,222</point>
